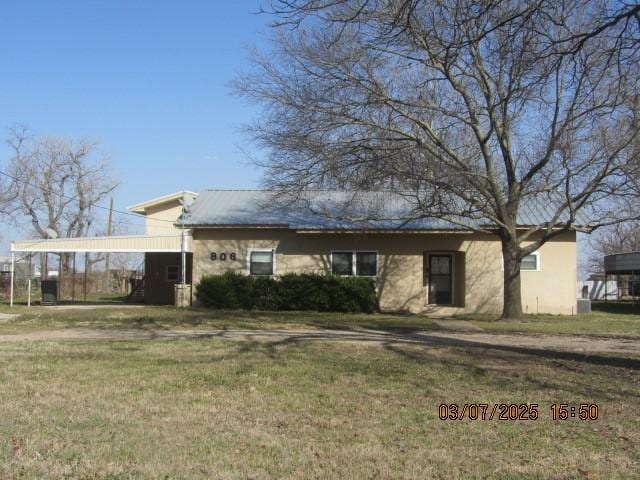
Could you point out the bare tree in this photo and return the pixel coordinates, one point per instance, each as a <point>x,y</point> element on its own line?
<point>57,183</point>
<point>471,110</point>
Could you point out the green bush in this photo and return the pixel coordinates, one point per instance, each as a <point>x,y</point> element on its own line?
<point>289,292</point>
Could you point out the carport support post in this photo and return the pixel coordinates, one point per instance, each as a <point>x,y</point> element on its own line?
<point>13,269</point>
<point>184,259</point>
<point>29,282</point>
<point>86,262</point>
<point>59,276</point>
<point>73,279</point>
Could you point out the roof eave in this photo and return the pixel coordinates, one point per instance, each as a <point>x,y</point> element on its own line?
<point>141,207</point>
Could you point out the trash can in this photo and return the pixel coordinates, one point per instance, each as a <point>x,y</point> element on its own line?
<point>49,292</point>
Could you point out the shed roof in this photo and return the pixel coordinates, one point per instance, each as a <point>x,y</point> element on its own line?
<point>623,263</point>
<point>335,210</point>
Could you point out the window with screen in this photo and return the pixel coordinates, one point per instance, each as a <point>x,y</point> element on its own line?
<point>366,264</point>
<point>362,264</point>
<point>342,263</point>
<point>173,273</point>
<point>261,262</point>
<point>530,262</point>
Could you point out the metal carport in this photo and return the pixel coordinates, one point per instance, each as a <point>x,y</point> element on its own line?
<point>623,264</point>
<point>166,243</point>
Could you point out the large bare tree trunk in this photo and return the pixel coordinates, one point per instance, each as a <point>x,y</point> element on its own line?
<point>512,308</point>
<point>474,112</point>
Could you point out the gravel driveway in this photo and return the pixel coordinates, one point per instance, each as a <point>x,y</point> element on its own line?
<point>577,344</point>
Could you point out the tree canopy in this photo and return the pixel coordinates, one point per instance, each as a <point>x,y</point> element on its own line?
<point>467,108</point>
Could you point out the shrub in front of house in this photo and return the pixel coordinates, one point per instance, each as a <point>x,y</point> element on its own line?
<point>322,293</point>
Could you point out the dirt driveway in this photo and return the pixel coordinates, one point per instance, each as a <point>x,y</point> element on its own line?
<point>558,345</point>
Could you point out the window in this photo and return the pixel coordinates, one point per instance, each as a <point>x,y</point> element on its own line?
<point>366,264</point>
<point>440,280</point>
<point>362,264</point>
<point>530,262</point>
<point>342,263</point>
<point>173,273</point>
<point>261,262</point>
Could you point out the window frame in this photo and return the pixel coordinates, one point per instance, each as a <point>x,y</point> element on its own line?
<point>354,261</point>
<point>166,273</point>
<point>535,254</point>
<point>452,279</point>
<point>272,251</point>
<point>537,269</point>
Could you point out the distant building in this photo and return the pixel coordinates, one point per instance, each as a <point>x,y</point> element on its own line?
<point>595,289</point>
<point>625,268</point>
<point>21,266</point>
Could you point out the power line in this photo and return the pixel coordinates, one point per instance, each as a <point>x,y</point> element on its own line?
<point>132,214</point>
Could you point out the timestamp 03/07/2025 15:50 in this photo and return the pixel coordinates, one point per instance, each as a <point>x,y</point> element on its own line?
<point>516,411</point>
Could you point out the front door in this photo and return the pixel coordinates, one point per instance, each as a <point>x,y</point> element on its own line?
<point>440,284</point>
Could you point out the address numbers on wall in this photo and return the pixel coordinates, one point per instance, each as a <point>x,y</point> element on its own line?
<point>223,256</point>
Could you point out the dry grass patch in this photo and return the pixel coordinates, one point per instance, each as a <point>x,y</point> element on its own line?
<point>595,323</point>
<point>205,408</point>
<point>162,317</point>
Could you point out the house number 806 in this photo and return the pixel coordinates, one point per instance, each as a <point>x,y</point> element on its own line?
<point>223,256</point>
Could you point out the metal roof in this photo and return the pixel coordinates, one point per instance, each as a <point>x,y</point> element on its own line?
<point>333,210</point>
<point>622,263</point>
<point>115,244</point>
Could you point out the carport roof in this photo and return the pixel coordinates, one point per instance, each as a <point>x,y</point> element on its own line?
<point>113,244</point>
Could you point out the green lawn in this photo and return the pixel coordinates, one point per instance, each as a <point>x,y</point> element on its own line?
<point>207,408</point>
<point>169,317</point>
<point>595,323</point>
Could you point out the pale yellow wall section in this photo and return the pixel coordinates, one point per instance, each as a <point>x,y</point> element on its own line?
<point>401,281</point>
<point>159,219</point>
<point>553,288</point>
<point>161,213</point>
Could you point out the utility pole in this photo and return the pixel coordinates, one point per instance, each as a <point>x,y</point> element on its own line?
<point>106,256</point>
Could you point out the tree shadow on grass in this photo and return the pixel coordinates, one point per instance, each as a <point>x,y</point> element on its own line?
<point>515,368</point>
<point>166,320</point>
<point>508,366</point>
<point>388,339</point>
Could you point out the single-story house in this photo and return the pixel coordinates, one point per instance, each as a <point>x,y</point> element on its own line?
<point>419,265</point>
<point>422,265</point>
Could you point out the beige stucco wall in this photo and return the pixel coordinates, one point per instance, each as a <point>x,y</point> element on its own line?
<point>402,281</point>
<point>159,219</point>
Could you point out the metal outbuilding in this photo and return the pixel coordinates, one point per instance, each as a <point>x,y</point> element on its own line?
<point>626,268</point>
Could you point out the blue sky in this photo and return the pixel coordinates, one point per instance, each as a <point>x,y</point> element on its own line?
<point>149,79</point>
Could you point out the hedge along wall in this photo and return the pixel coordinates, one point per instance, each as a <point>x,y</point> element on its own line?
<point>322,293</point>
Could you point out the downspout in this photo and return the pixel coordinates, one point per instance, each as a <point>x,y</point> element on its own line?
<point>184,257</point>
<point>13,268</point>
